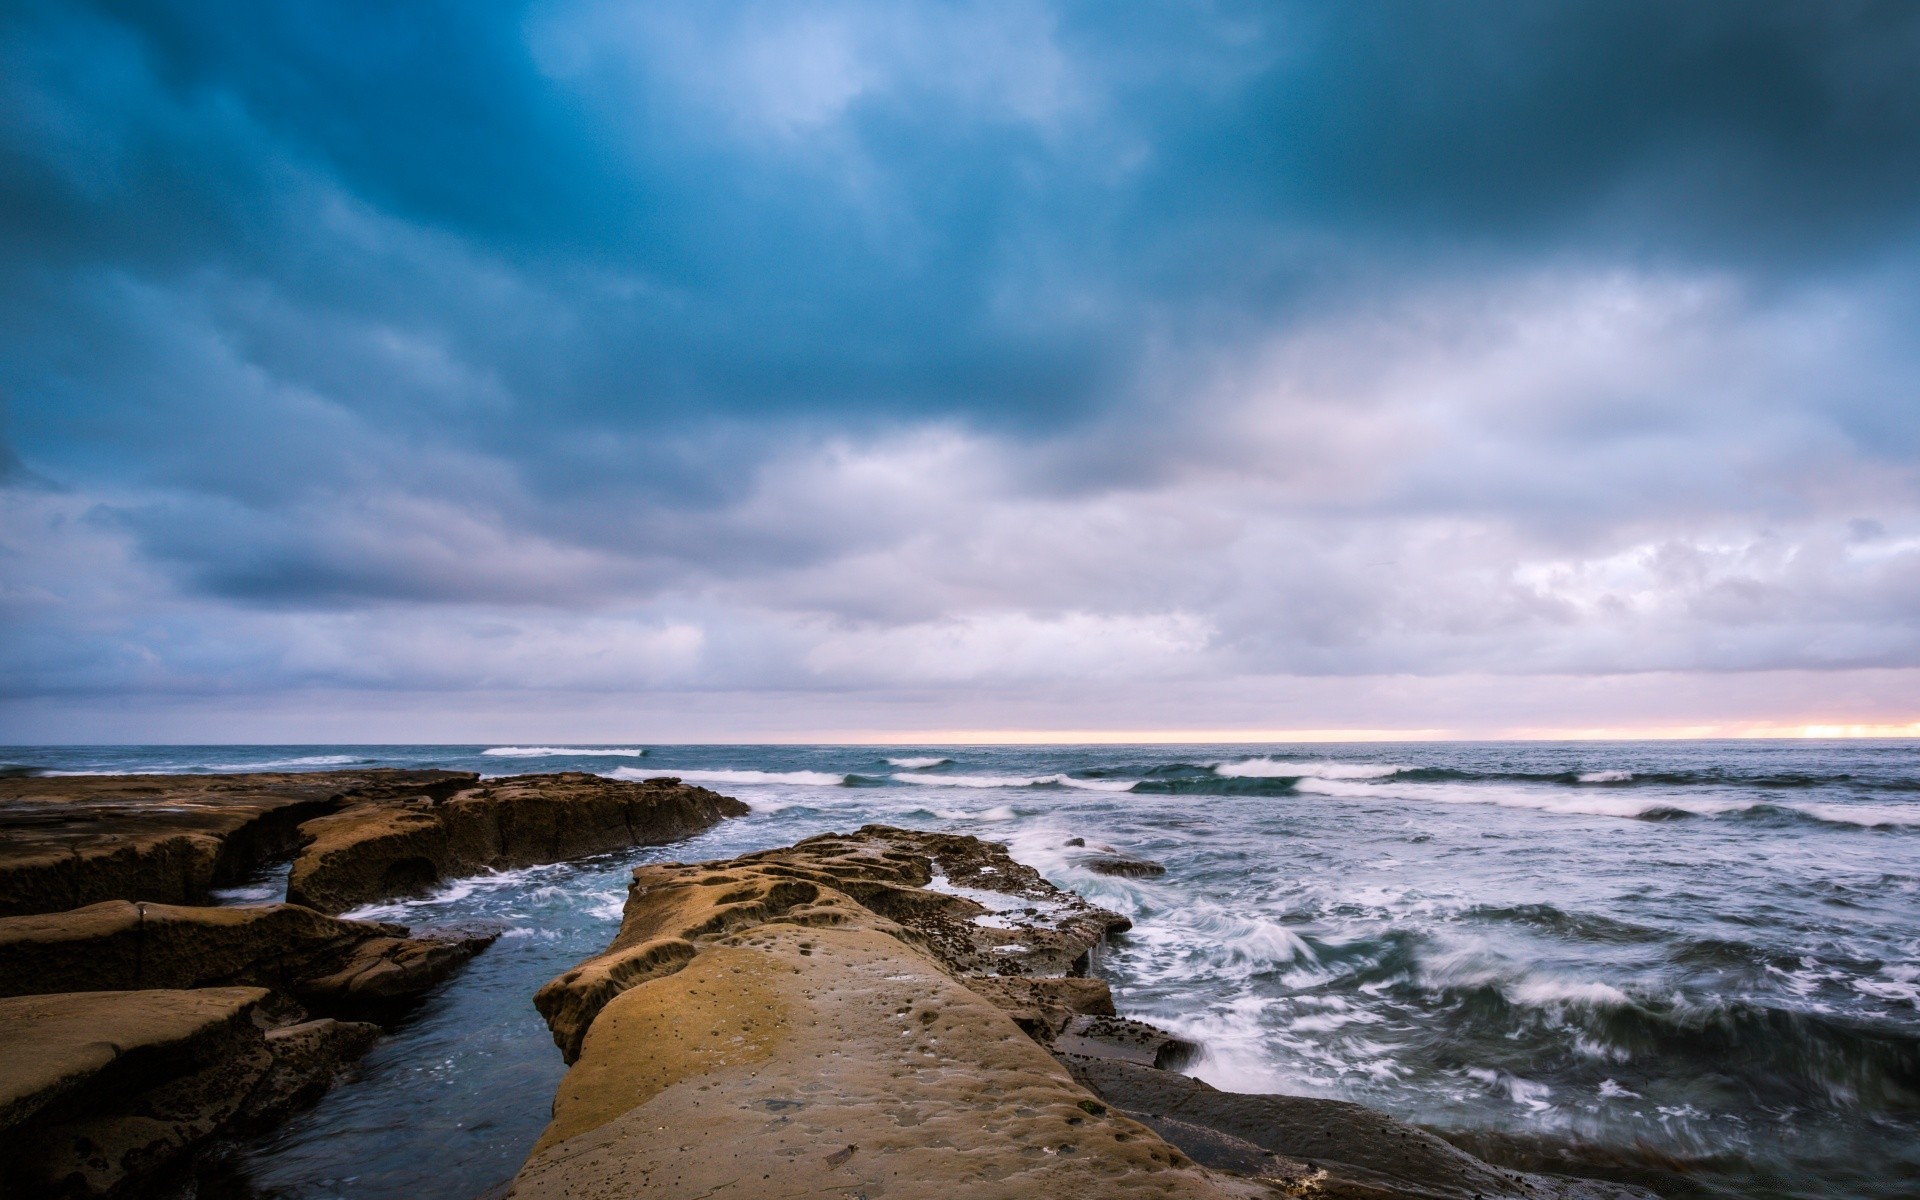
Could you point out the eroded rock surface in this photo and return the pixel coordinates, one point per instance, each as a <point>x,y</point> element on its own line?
<point>106,1093</point>
<point>329,965</point>
<point>870,1015</point>
<point>71,841</point>
<point>405,844</point>
<point>802,1021</point>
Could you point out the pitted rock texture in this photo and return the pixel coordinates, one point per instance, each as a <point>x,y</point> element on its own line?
<point>963,901</point>
<point>806,1021</point>
<point>789,1060</point>
<point>869,1014</point>
<point>71,841</point>
<point>329,965</point>
<point>407,844</point>
<point>110,1094</point>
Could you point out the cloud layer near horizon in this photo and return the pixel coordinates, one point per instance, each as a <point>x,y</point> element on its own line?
<point>876,363</point>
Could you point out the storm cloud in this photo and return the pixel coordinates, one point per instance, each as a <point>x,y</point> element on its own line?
<point>714,370</point>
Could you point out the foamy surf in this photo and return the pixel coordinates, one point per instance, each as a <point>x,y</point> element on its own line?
<point>1568,803</point>
<point>1018,781</point>
<point>561,751</point>
<point>918,764</point>
<point>1277,768</point>
<point>743,778</point>
<point>308,760</point>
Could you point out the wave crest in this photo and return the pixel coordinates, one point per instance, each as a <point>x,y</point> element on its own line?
<point>553,751</point>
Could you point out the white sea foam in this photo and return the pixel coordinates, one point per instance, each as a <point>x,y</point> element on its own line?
<point>802,778</point>
<point>1593,804</point>
<point>917,764</point>
<point>1605,776</point>
<point>310,760</point>
<point>556,751</point>
<point>1280,768</point>
<point>1869,815</point>
<point>1544,992</point>
<point>1015,781</point>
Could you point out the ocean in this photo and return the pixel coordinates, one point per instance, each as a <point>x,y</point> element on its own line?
<point>1695,964</point>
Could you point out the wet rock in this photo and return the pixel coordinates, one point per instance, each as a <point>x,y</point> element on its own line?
<point>107,1093</point>
<point>71,841</point>
<point>1361,1152</point>
<point>407,844</point>
<point>325,963</point>
<point>1043,1007</point>
<point>1122,866</point>
<point>1114,1037</point>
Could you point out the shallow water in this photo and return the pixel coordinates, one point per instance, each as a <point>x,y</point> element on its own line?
<point>1706,954</point>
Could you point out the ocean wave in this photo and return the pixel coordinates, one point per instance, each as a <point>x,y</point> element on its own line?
<point>802,778</point>
<point>1570,803</point>
<point>1017,781</point>
<point>1280,768</point>
<point>1777,1055</point>
<point>558,751</point>
<point>309,760</point>
<point>917,764</point>
<point>1575,926</point>
<point>1604,777</point>
<point>1870,816</point>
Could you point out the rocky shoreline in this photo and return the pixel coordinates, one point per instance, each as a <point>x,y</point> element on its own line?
<point>140,1026</point>
<point>884,1013</point>
<point>899,1014</point>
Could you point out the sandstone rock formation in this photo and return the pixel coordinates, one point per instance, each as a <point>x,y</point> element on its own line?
<point>871,1015</point>
<point>327,964</point>
<point>394,846</point>
<point>72,841</point>
<point>105,1093</point>
<point>360,836</point>
<point>137,1030</point>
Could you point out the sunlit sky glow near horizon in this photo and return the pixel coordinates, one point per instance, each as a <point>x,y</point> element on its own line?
<point>590,371</point>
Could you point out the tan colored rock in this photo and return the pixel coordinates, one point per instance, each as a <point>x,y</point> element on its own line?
<point>103,1092</point>
<point>324,962</point>
<point>838,1018</point>
<point>71,841</point>
<point>871,1014</point>
<point>375,851</point>
<point>788,1061</point>
<point>923,888</point>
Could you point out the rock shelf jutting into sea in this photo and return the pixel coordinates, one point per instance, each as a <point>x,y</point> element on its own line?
<point>1692,968</point>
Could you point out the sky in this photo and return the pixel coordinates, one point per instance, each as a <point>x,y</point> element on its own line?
<point>947,371</point>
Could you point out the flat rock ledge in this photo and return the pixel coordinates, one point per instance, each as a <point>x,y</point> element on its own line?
<point>139,1028</point>
<point>393,846</point>
<point>355,837</point>
<point>904,1015</point>
<point>66,842</point>
<point>110,1094</point>
<point>335,967</point>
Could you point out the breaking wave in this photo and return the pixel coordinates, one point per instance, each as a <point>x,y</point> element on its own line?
<point>801,778</point>
<point>1276,768</point>
<point>1001,781</point>
<point>918,764</point>
<point>559,751</point>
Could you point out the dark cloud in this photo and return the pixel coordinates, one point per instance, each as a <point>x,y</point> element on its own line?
<point>1240,336</point>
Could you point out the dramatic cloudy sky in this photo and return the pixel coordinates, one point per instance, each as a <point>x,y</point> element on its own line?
<point>598,370</point>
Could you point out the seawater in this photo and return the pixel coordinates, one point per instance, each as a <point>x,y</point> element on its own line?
<point>1704,956</point>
